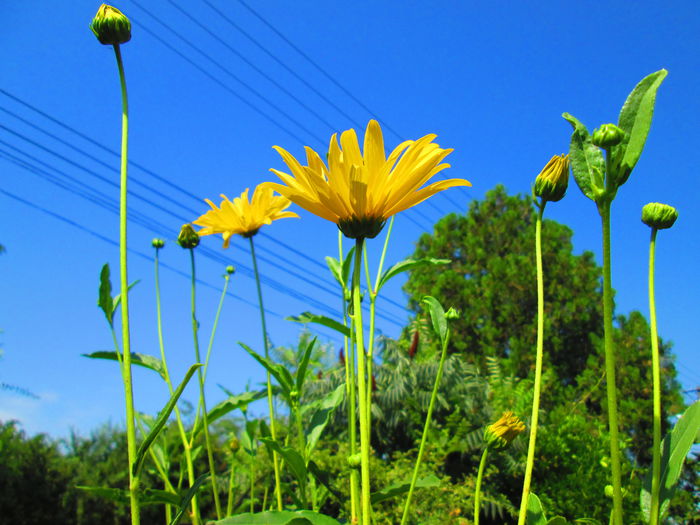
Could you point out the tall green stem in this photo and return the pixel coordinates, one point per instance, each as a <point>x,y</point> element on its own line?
<point>656,378</point>
<point>350,391</point>
<point>202,398</point>
<point>477,493</point>
<point>270,405</point>
<point>426,428</point>
<point>604,210</point>
<point>362,385</point>
<point>126,340</point>
<point>538,368</point>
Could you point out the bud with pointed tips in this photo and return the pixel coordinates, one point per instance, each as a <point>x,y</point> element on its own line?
<point>659,216</point>
<point>607,136</point>
<point>110,26</point>
<point>553,180</point>
<point>188,238</point>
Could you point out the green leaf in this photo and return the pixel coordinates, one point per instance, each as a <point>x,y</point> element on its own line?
<point>104,298</point>
<point>184,503</point>
<point>557,520</point>
<point>587,162</point>
<point>303,365</point>
<point>323,477</point>
<point>322,416</point>
<point>161,420</point>
<point>284,517</point>
<point>144,360</point>
<point>437,314</point>
<point>674,449</point>
<point>635,120</point>
<point>399,489</point>
<point>308,317</point>
<point>146,496</point>
<point>117,299</point>
<point>535,512</point>
<point>279,372</point>
<point>587,521</point>
<point>347,265</point>
<point>293,460</point>
<point>234,402</point>
<point>407,265</point>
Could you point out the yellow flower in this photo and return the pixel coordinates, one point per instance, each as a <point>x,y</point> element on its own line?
<point>358,190</point>
<point>501,433</point>
<point>242,216</point>
<point>553,180</point>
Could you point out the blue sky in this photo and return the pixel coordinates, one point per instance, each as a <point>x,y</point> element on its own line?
<point>214,87</point>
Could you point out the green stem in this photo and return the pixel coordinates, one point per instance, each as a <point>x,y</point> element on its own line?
<point>538,368</point>
<point>656,378</point>
<point>477,493</point>
<point>178,416</point>
<point>604,210</point>
<point>126,340</point>
<point>231,479</point>
<point>362,386</point>
<point>270,405</point>
<point>296,409</point>
<point>426,428</point>
<point>202,398</point>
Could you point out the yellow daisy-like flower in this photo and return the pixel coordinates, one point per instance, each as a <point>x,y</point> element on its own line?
<point>359,190</point>
<point>500,434</point>
<point>242,216</point>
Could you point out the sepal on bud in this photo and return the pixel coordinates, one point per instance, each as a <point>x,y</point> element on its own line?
<point>111,26</point>
<point>553,180</point>
<point>188,238</point>
<point>659,216</point>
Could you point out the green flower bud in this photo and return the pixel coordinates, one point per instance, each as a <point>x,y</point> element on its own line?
<point>451,314</point>
<point>659,216</point>
<point>553,180</point>
<point>157,243</point>
<point>501,433</point>
<point>188,238</point>
<point>607,136</point>
<point>110,26</point>
<point>234,444</point>
<point>355,461</point>
<point>230,269</point>
<point>294,395</point>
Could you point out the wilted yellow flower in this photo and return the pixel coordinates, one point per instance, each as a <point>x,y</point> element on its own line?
<point>553,180</point>
<point>501,433</point>
<point>242,216</point>
<point>359,190</point>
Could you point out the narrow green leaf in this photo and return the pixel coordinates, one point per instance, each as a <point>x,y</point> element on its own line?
<point>535,512</point>
<point>283,517</point>
<point>280,373</point>
<point>161,420</point>
<point>347,266</point>
<point>308,317</point>
<point>674,449</point>
<point>118,298</point>
<point>635,120</point>
<point>437,314</point>
<point>303,365</point>
<point>335,268</point>
<point>587,162</point>
<point>407,265</point>
<point>104,298</point>
<point>144,360</point>
<point>322,416</point>
<point>399,489</point>
<point>292,458</point>
<point>146,496</point>
<point>234,402</point>
<point>184,503</point>
<point>323,477</point>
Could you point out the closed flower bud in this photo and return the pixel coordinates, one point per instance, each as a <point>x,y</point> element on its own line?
<point>110,26</point>
<point>501,433</point>
<point>188,238</point>
<point>659,216</point>
<point>355,461</point>
<point>553,180</point>
<point>234,444</point>
<point>452,314</point>
<point>607,136</point>
<point>230,269</point>
<point>157,243</point>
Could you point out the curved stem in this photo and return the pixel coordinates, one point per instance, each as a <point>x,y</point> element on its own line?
<point>126,340</point>
<point>426,428</point>
<point>270,405</point>
<point>202,398</point>
<point>362,386</point>
<point>477,493</point>
<point>538,369</point>
<point>604,209</point>
<point>656,378</point>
